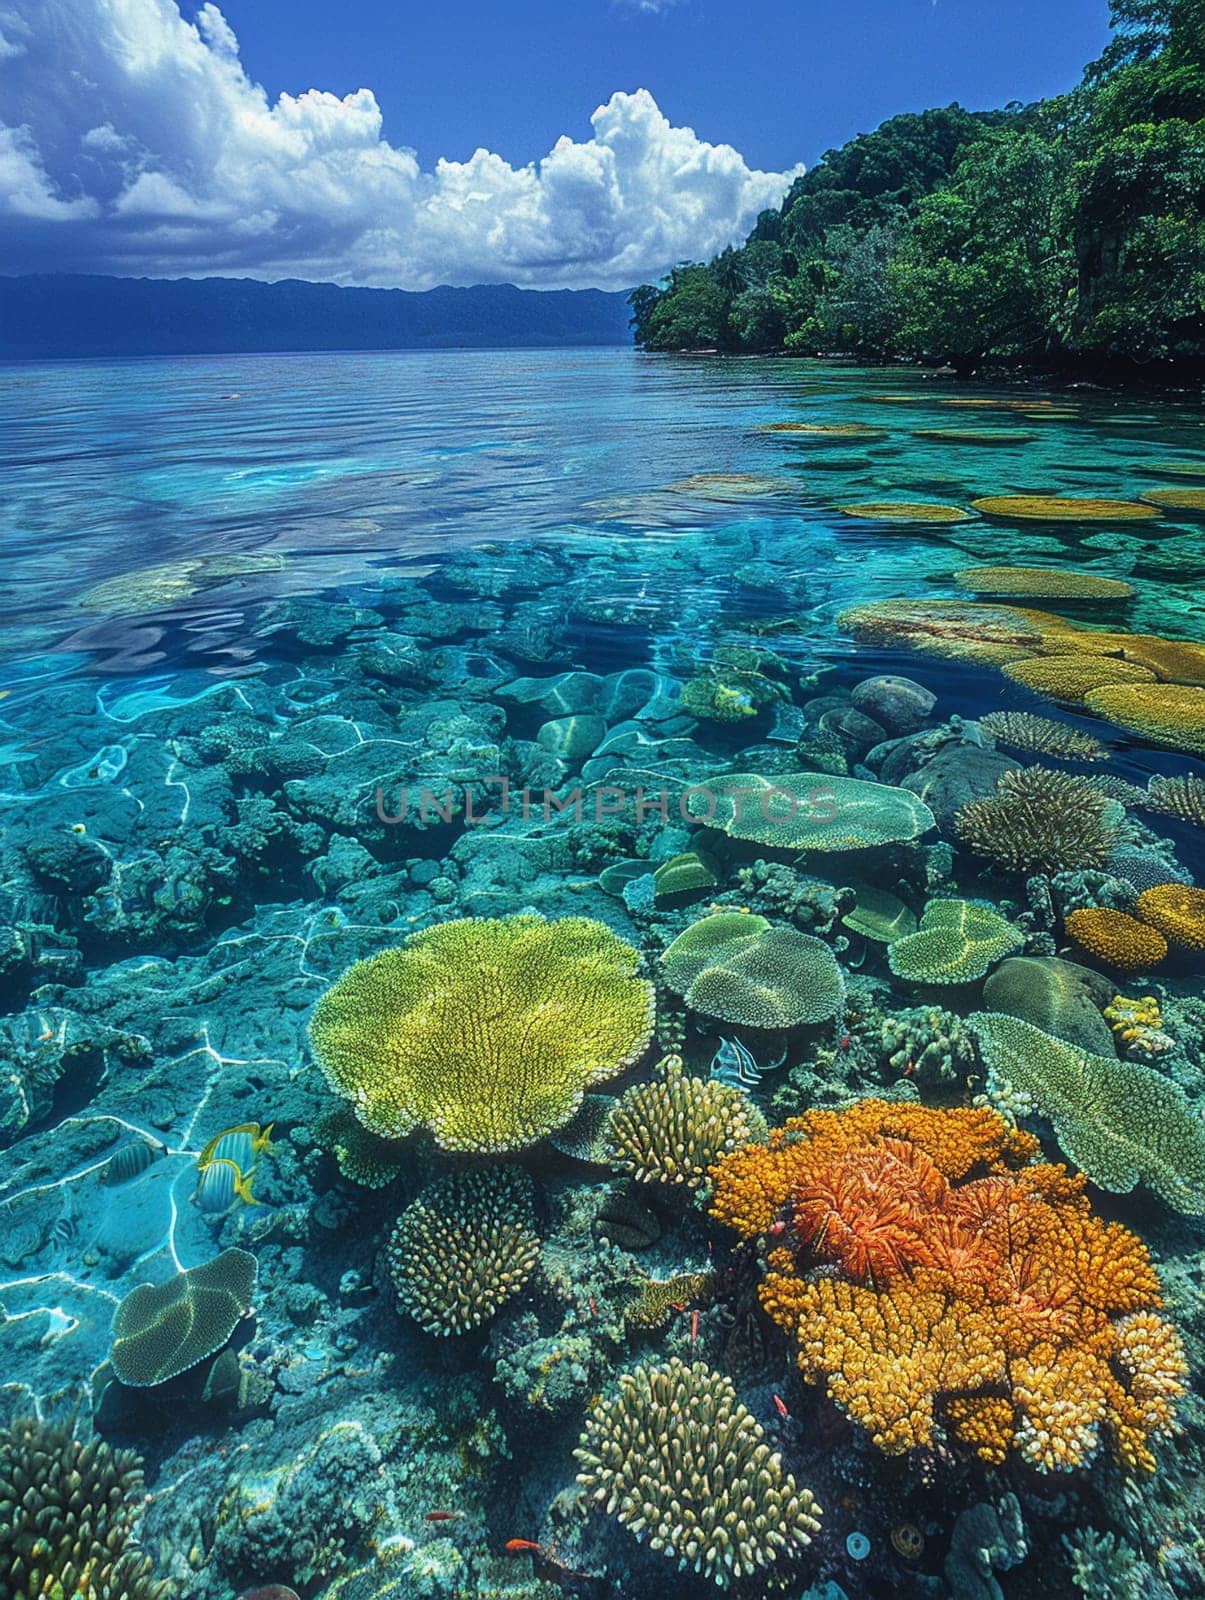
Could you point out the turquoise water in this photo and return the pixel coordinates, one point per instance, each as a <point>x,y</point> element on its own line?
<point>255,602</point>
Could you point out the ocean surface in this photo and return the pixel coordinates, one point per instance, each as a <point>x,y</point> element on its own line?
<point>847,722</point>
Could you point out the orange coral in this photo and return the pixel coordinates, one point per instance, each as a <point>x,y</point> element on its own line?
<point>1116,938</point>
<point>996,1305</point>
<point>1178,911</point>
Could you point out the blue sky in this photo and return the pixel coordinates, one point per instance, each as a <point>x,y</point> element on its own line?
<point>571,144</point>
<point>782,80</point>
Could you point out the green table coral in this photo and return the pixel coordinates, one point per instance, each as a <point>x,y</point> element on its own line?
<point>957,942</point>
<point>486,1031</point>
<point>809,811</point>
<point>1120,1122</point>
<point>741,969</point>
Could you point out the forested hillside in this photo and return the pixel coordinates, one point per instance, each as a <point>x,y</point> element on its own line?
<point>1066,231</point>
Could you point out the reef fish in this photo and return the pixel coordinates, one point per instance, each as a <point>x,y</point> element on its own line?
<point>227,1165</point>
<point>734,1064</point>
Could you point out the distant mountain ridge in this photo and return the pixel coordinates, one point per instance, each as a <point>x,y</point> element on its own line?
<point>57,315</point>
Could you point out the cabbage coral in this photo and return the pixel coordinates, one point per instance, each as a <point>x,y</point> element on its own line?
<point>487,1032</point>
<point>68,1518</point>
<point>674,1129</point>
<point>463,1248</point>
<point>934,1282</point>
<point>1040,820</point>
<point>679,1461</point>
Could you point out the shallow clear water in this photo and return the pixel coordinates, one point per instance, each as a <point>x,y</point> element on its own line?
<point>250,600</point>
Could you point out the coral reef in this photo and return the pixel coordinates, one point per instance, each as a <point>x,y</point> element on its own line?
<point>1041,583</point>
<point>677,1458</point>
<point>999,1307</point>
<point>1040,736</point>
<point>487,1032</point>
<point>957,941</point>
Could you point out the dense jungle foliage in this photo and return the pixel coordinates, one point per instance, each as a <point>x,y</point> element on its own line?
<point>1066,231</point>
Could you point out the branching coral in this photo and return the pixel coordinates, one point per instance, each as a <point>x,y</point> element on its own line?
<point>1182,797</point>
<point>677,1458</point>
<point>487,1032</point>
<point>1041,736</point>
<point>745,970</point>
<point>957,942</point>
<point>1178,911</point>
<point>999,1307</point>
<point>1040,820</point>
<point>657,1298</point>
<point>68,1518</point>
<point>1122,1122</point>
<point>1116,939</point>
<point>463,1248</point>
<point>674,1129</point>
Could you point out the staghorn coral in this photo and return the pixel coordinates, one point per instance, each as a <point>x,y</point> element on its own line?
<point>487,1032</point>
<point>1121,1122</point>
<point>69,1518</point>
<point>162,1330</point>
<point>1041,583</point>
<point>677,1458</point>
<point>957,942</point>
<point>463,1248</point>
<point>745,970</point>
<point>1178,911</point>
<point>1040,820</point>
<point>1071,677</point>
<point>674,1129</point>
<point>999,1307</point>
<point>1166,713</point>
<point>1040,736</point>
<point>1116,939</point>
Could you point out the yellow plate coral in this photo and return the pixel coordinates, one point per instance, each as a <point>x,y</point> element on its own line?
<point>1062,508</point>
<point>1042,583</point>
<point>906,511</point>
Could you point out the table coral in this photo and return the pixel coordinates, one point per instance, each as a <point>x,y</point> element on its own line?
<point>1117,939</point>
<point>160,1331</point>
<point>674,1129</point>
<point>1121,1122</point>
<point>463,1248</point>
<point>679,1461</point>
<point>1042,583</point>
<point>809,811</point>
<point>1166,713</point>
<point>999,1308</point>
<point>753,973</point>
<point>1070,677</point>
<point>488,1032</point>
<point>957,942</point>
<point>1178,911</point>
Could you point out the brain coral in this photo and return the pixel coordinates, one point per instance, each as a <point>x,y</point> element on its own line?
<point>753,973</point>
<point>1115,938</point>
<point>1041,736</point>
<point>1040,820</point>
<point>809,811</point>
<point>677,1458</point>
<point>1166,713</point>
<point>463,1248</point>
<point>68,1518</point>
<point>1040,583</point>
<point>160,1331</point>
<point>957,942</point>
<point>1071,677</point>
<point>1121,1122</point>
<point>997,1309</point>
<point>487,1032</point>
<point>674,1129</point>
<point>1178,911</point>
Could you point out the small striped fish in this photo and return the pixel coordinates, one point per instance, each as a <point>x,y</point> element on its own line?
<point>734,1064</point>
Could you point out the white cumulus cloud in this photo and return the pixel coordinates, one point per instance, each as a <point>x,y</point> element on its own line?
<point>133,141</point>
